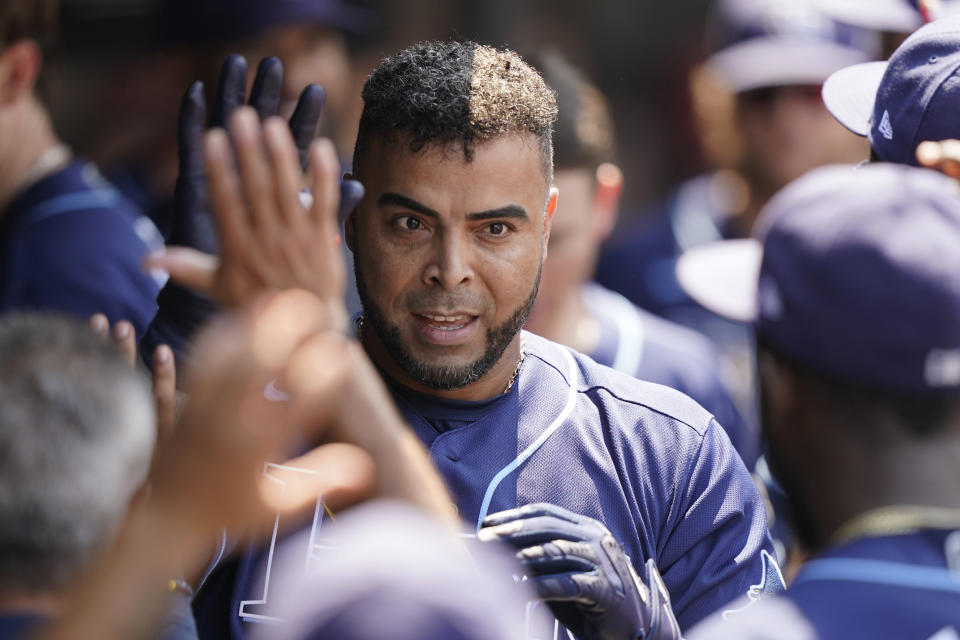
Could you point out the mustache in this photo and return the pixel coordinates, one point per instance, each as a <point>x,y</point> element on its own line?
<point>431,299</point>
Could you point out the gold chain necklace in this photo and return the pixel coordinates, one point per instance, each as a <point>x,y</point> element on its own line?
<point>897,520</point>
<point>513,378</point>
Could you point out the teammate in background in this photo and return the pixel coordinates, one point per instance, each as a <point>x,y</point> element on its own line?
<point>593,320</point>
<point>857,313</point>
<point>77,431</point>
<point>68,240</point>
<point>898,104</point>
<point>758,111</point>
<point>455,153</point>
<point>125,118</point>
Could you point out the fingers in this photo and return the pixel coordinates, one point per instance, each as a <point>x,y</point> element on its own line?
<point>526,532</point>
<point>306,118</point>
<point>558,556</point>
<point>193,223</point>
<point>324,169</point>
<point>259,185</point>
<point>191,268</point>
<point>286,171</point>
<point>531,511</point>
<point>100,324</point>
<point>225,195</point>
<point>230,90</point>
<point>582,588</point>
<point>164,391</point>
<point>123,335</point>
<point>267,87</point>
<point>190,132</point>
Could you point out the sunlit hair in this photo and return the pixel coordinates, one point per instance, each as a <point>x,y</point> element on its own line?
<point>455,92</point>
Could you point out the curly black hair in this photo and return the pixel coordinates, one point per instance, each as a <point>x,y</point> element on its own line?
<point>446,92</point>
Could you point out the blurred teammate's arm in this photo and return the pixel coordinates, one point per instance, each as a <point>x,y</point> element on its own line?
<point>208,474</point>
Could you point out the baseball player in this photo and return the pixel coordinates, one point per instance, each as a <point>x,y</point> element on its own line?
<point>898,104</point>
<point>592,319</point>
<point>599,481</point>
<point>69,242</point>
<point>761,124</point>
<point>857,311</point>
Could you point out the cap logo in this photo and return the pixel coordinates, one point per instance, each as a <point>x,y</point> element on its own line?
<point>886,129</point>
<point>942,368</point>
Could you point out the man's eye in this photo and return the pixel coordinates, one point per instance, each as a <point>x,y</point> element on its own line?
<point>409,223</point>
<point>497,229</point>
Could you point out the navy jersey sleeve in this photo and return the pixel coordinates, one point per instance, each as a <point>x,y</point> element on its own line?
<point>80,264</point>
<point>718,548</point>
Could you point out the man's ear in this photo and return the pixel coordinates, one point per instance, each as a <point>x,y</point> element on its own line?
<point>548,217</point>
<point>606,199</point>
<point>19,67</point>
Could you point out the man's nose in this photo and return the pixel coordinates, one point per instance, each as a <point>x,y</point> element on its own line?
<point>450,263</point>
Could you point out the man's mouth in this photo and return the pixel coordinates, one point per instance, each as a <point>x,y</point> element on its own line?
<point>447,323</point>
<point>446,328</point>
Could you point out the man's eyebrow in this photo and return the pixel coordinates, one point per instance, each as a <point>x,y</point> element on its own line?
<point>509,211</point>
<point>407,203</point>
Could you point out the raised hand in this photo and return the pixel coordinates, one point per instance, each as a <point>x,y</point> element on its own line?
<point>210,471</point>
<point>580,570</point>
<point>182,312</point>
<point>269,239</point>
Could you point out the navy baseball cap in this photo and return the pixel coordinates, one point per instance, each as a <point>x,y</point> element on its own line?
<point>897,16</point>
<point>766,43</point>
<point>858,277</point>
<point>198,21</point>
<point>389,570</point>
<point>911,98</point>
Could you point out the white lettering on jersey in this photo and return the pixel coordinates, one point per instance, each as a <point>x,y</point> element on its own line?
<point>284,476</point>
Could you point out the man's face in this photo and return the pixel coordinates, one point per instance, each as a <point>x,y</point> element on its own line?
<point>448,254</point>
<point>787,131</point>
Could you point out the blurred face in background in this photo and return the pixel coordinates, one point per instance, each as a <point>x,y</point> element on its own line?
<point>586,214</point>
<point>787,131</point>
<point>311,54</point>
<point>574,240</point>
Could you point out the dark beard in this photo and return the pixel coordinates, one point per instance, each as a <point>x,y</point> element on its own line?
<point>443,378</point>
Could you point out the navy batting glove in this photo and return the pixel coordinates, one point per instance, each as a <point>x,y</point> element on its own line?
<point>182,312</point>
<point>582,573</point>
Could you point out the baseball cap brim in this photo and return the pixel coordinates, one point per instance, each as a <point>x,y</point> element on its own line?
<point>780,61</point>
<point>849,95</point>
<point>880,15</point>
<point>722,277</point>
